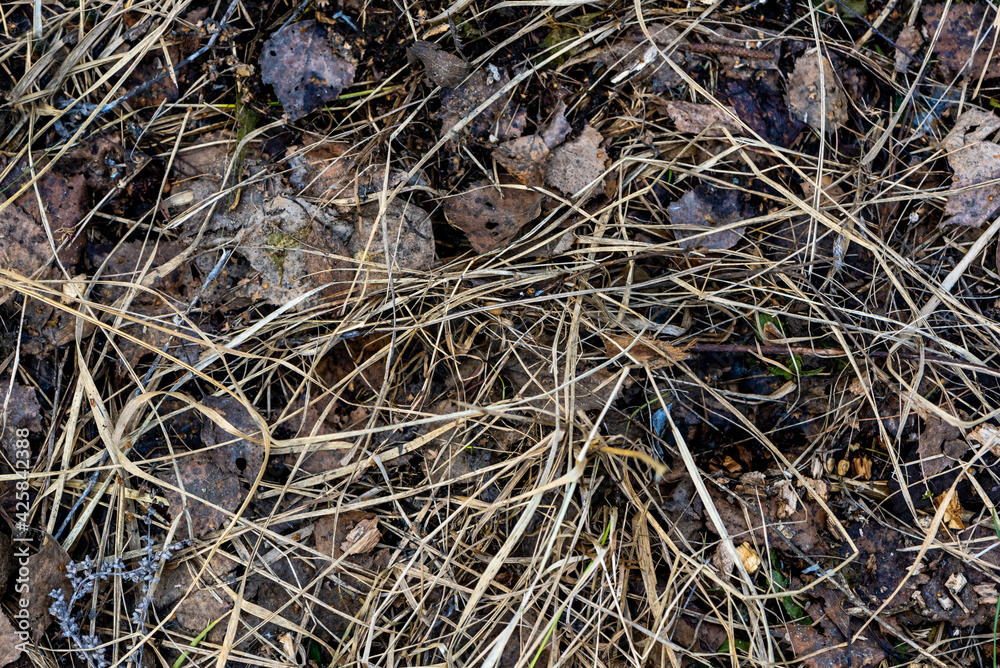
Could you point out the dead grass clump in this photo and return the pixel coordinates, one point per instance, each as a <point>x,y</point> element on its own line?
<point>498,335</point>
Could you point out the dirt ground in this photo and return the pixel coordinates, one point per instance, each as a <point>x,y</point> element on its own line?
<point>499,334</point>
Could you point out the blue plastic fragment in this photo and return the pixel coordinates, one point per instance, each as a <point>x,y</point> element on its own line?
<point>659,422</point>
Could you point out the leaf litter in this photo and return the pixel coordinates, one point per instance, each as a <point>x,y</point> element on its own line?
<point>697,215</point>
<point>815,94</point>
<point>577,164</point>
<point>702,118</point>
<point>440,67</point>
<point>976,163</point>
<point>471,345</point>
<point>965,43</point>
<point>307,66</point>
<point>492,215</point>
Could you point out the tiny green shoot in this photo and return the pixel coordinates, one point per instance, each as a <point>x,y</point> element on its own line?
<point>194,643</point>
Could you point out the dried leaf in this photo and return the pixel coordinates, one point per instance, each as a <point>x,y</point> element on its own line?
<point>770,332</point>
<point>353,533</point>
<point>574,166</point>
<point>723,559</point>
<point>908,43</point>
<point>557,128</point>
<point>19,410</point>
<point>490,216</point>
<point>953,513</point>
<point>811,101</point>
<point>442,68</point>
<point>275,593</point>
<point>524,158</point>
<point>963,33</point>
<point>233,455</point>
<point>325,171</point>
<point>695,635</point>
<point>10,641</point>
<point>501,119</point>
<point>987,594</point>
<point>731,465</point>
<point>761,104</point>
<point>203,479</point>
<point>99,159</point>
<point>362,538</point>
<point>788,500</point>
<point>646,351</point>
<point>24,244</point>
<point>819,487</point>
<point>288,647</point>
<point>410,241</point>
<point>830,647</point>
<point>306,66</point>
<point>956,583</point>
<point>336,171</point>
<point>931,446</point>
<point>46,573</point>
<point>974,161</point>
<point>297,247</point>
<point>700,211</point>
<point>987,434</point>
<point>202,606</point>
<point>698,118</point>
<point>862,468</point>
<point>827,650</point>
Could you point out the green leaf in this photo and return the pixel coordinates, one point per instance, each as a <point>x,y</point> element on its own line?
<point>557,36</point>
<point>795,611</point>
<point>797,370</point>
<point>780,583</point>
<point>565,32</point>
<point>741,644</point>
<point>763,320</point>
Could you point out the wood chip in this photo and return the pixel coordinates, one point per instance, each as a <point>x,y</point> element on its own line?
<point>953,513</point>
<point>751,561</point>
<point>362,538</point>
